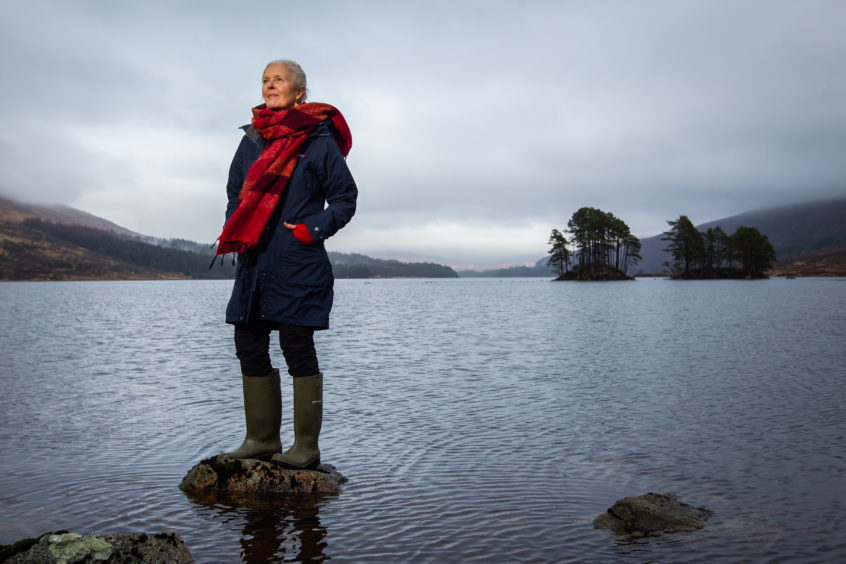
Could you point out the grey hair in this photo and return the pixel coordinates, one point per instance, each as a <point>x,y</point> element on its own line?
<point>298,75</point>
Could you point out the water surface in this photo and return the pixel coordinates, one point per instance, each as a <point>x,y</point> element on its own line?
<point>487,419</point>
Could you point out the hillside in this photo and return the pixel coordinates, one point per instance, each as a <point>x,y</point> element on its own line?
<point>61,243</point>
<point>12,212</point>
<point>796,232</point>
<point>540,268</point>
<point>827,262</point>
<point>354,265</point>
<point>809,240</point>
<point>35,249</point>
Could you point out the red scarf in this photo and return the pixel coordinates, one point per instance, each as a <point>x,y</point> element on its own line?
<point>268,177</point>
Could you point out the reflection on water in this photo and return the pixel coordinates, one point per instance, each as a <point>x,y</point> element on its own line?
<point>475,419</point>
<point>286,529</point>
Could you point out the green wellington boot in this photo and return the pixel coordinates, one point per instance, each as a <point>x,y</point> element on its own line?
<point>308,417</point>
<point>263,411</point>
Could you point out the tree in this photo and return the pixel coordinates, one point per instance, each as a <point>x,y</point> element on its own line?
<point>754,250</point>
<point>625,246</point>
<point>711,255</point>
<point>703,255</point>
<point>632,246</point>
<point>581,227</point>
<point>722,247</point>
<point>604,245</point>
<point>686,244</point>
<point>559,254</point>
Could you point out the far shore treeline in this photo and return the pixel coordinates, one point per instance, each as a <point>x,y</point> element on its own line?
<point>61,243</point>
<point>45,250</point>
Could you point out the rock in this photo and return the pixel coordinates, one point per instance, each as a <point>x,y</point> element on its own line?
<point>69,548</point>
<point>250,476</point>
<point>652,513</point>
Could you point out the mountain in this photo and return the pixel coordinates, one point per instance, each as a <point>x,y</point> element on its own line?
<point>61,243</point>
<point>354,265</point>
<point>796,232</point>
<point>35,249</point>
<point>809,240</point>
<point>15,212</point>
<point>540,268</point>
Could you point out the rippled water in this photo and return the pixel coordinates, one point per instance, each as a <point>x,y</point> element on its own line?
<point>476,419</point>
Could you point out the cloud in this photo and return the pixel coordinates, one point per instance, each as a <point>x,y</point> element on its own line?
<point>477,126</point>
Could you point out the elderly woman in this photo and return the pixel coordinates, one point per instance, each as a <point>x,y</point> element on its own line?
<point>289,190</point>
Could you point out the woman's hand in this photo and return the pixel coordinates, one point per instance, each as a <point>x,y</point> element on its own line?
<point>300,231</point>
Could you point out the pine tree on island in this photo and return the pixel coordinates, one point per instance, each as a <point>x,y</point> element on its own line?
<point>713,254</point>
<point>604,247</point>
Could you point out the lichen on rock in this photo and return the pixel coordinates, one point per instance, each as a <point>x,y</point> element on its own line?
<point>251,476</point>
<point>652,513</point>
<point>71,548</point>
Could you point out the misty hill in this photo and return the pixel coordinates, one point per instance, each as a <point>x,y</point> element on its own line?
<point>808,238</point>
<point>12,212</point>
<point>61,243</point>
<point>794,231</point>
<point>354,265</point>
<point>540,268</point>
<point>36,249</point>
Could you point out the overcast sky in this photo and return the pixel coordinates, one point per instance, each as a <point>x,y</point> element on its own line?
<point>478,126</point>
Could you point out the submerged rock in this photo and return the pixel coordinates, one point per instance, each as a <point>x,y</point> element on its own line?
<point>652,513</point>
<point>250,476</point>
<point>68,548</point>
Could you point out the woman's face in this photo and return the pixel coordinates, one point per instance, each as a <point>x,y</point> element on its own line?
<point>277,89</point>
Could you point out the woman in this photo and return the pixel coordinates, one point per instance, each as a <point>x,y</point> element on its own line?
<point>289,190</point>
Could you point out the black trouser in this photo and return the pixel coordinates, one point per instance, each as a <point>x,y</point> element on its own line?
<point>252,347</point>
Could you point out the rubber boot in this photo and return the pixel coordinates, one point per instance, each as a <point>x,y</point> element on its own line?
<point>263,412</point>
<point>308,417</point>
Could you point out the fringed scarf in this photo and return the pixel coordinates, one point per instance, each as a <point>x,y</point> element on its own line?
<point>268,177</point>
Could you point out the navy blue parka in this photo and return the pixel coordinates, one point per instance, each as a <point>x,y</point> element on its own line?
<point>291,280</point>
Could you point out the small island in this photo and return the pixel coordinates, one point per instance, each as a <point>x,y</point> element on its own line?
<point>747,254</point>
<point>604,248</point>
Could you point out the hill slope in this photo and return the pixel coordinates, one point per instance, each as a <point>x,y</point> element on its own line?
<point>61,243</point>
<point>15,212</point>
<point>809,240</point>
<point>795,232</point>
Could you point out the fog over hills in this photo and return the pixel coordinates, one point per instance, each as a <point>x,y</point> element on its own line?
<point>40,242</point>
<point>792,230</point>
<point>12,210</point>
<point>796,230</point>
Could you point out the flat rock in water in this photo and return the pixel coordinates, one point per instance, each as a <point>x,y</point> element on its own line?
<point>69,548</point>
<point>251,476</point>
<point>652,513</point>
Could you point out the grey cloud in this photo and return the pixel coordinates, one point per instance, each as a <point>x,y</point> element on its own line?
<point>504,114</point>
